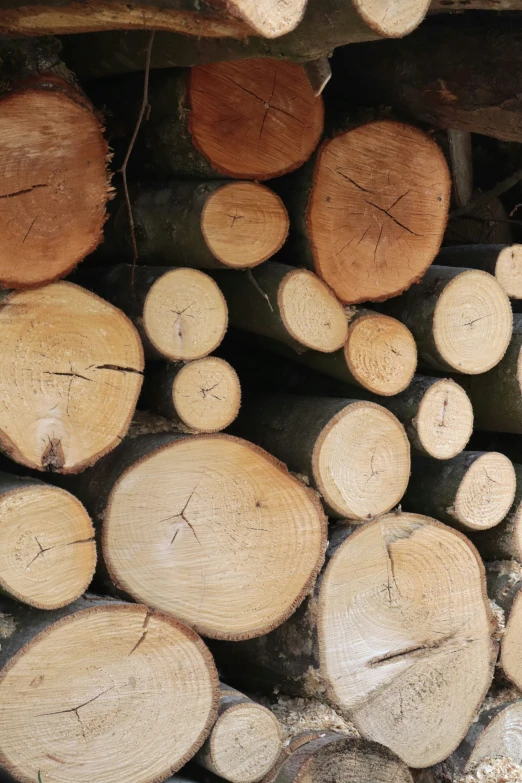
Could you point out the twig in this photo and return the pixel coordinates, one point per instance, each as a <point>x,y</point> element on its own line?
<point>484,198</point>
<point>258,288</point>
<point>123,170</point>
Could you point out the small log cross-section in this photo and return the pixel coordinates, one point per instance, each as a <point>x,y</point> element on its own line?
<point>504,542</point>
<point>180,513</point>
<point>245,741</point>
<point>180,314</point>
<point>502,261</point>
<point>377,210</point>
<point>47,548</point>
<point>461,319</point>
<point>473,491</point>
<point>356,454</point>
<point>81,710</point>
<point>208,225</point>
<point>70,377</point>
<point>504,587</point>
<point>201,396</point>
<point>290,305</point>
<point>398,633</point>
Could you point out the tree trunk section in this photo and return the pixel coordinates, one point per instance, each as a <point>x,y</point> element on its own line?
<point>245,741</point>
<point>55,183</point>
<point>63,698</point>
<point>201,396</point>
<point>208,225</point>
<point>47,549</point>
<point>356,454</point>
<point>473,491</point>
<point>502,261</point>
<point>461,319</point>
<point>69,390</point>
<point>504,585</point>
<point>180,313</point>
<point>504,542</point>
<point>286,304</point>
<point>370,653</point>
<point>180,512</point>
<point>483,224</point>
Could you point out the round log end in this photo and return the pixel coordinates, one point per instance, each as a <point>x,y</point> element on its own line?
<point>361,461</point>
<point>47,547</point>
<point>244,224</point>
<point>70,391</point>
<point>485,493</point>
<point>310,312</point>
<point>177,515</point>
<point>508,270</point>
<point>511,646</point>
<point>185,315</point>
<point>391,18</point>
<point>444,422</point>
<point>254,119</point>
<point>206,394</point>
<point>500,739</point>
<point>381,354</point>
<point>54,184</point>
<point>472,322</point>
<point>269,18</point>
<point>80,710</point>
<point>392,228</point>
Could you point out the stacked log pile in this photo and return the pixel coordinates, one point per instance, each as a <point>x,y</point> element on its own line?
<point>237,443</point>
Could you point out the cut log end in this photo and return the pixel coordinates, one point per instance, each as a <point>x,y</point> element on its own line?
<point>311,313</point>
<point>511,647</point>
<point>185,315</point>
<point>206,394</point>
<point>209,500</point>
<point>244,224</point>
<point>69,393</point>
<point>254,119</point>
<point>47,548</point>
<point>444,421</point>
<point>485,493</point>
<point>361,461</point>
<point>54,184</point>
<point>381,354</point>
<point>139,663</point>
<point>508,270</point>
<point>269,18</point>
<point>391,18</point>
<point>395,224</point>
<point>472,322</point>
<point>502,738</point>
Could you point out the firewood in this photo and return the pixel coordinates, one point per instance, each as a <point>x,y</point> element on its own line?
<point>372,227</point>
<point>47,549</point>
<point>180,313</point>
<point>473,491</point>
<point>356,454</point>
<point>91,684</point>
<point>461,319</point>
<point>502,261</point>
<point>485,224</point>
<point>70,377</point>
<point>504,542</point>
<point>245,741</point>
<point>55,183</point>
<point>504,585</point>
<point>289,305</point>
<point>208,225</point>
<point>202,528</point>
<point>201,396</point>
<point>401,619</point>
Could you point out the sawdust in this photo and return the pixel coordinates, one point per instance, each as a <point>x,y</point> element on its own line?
<point>297,715</point>
<point>494,770</point>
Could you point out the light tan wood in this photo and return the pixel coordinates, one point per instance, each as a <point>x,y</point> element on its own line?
<point>311,313</point>
<point>255,119</point>
<point>373,223</point>
<point>70,377</point>
<point>511,647</point>
<point>508,270</point>
<point>93,690</point>
<point>502,261</point>
<point>501,738</point>
<point>444,420</point>
<point>244,223</point>
<point>47,548</point>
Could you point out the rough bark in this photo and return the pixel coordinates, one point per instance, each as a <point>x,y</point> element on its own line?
<point>356,454</point>
<point>483,224</point>
<point>52,689</point>
<point>461,319</point>
<point>502,261</point>
<point>369,654</point>
<point>504,542</point>
<point>472,491</point>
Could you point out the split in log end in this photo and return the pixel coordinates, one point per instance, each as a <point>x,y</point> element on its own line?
<point>485,493</point>
<point>206,394</point>
<point>444,421</point>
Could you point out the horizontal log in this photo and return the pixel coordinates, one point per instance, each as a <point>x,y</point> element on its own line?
<point>504,262</point>
<point>504,542</point>
<point>504,587</point>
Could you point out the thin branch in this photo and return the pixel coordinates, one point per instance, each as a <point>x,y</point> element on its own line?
<point>485,198</point>
<point>123,170</point>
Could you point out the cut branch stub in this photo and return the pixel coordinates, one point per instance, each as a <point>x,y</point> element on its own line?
<point>245,741</point>
<point>373,224</point>
<point>355,453</point>
<point>54,182</point>
<point>80,710</point>
<point>70,379</point>
<point>502,261</point>
<point>47,549</point>
<point>182,512</point>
